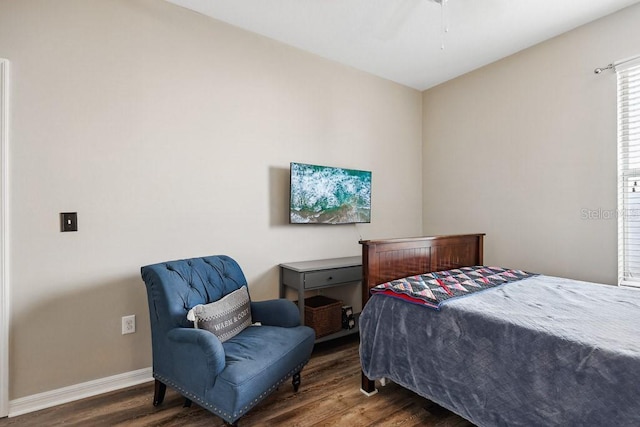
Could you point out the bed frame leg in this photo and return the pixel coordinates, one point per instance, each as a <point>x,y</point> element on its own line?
<point>367,387</point>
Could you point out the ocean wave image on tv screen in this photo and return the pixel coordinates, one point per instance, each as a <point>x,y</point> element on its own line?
<point>329,195</point>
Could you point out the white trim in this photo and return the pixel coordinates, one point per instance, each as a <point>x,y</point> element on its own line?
<point>51,398</point>
<point>4,240</point>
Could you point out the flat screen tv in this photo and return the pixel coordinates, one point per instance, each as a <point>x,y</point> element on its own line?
<point>329,195</point>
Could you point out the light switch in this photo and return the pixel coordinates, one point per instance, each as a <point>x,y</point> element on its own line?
<point>68,221</point>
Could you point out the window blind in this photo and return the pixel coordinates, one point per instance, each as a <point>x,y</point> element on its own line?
<point>629,173</point>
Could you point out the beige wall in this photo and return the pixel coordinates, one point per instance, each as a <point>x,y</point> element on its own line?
<point>523,148</point>
<point>171,135</point>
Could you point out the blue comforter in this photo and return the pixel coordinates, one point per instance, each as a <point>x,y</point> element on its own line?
<point>540,352</point>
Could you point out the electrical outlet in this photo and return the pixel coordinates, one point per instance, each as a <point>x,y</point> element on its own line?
<point>128,324</point>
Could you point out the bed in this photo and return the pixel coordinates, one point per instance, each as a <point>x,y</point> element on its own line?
<point>534,352</point>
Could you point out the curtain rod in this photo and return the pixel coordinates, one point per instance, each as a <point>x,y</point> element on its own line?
<point>613,65</point>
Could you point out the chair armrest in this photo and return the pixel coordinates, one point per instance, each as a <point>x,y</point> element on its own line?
<point>276,312</point>
<point>197,348</point>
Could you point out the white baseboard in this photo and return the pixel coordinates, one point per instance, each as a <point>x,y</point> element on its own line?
<point>51,398</point>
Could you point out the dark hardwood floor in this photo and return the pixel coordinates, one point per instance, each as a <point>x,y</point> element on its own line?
<point>329,396</point>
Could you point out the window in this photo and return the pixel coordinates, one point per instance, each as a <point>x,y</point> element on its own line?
<point>629,173</point>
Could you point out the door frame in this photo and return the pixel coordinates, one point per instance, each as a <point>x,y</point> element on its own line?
<point>4,253</point>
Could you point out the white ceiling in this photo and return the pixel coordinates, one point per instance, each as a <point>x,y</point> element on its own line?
<point>402,40</point>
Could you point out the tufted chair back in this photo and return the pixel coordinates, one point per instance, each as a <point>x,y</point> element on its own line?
<point>193,281</point>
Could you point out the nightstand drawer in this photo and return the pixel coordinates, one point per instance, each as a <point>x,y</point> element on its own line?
<point>324,278</point>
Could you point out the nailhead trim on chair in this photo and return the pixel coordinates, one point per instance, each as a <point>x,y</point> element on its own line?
<point>228,417</point>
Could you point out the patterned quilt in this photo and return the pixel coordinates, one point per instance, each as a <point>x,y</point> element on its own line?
<point>434,289</point>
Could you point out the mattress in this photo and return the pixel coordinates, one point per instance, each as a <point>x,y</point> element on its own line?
<point>540,351</point>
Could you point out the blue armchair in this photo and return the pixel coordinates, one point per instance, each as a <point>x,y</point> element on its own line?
<point>227,378</point>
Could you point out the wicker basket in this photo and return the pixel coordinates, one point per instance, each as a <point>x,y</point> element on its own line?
<point>323,314</point>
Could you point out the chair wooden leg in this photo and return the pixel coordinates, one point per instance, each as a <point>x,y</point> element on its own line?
<point>296,381</point>
<point>158,394</point>
<point>187,403</point>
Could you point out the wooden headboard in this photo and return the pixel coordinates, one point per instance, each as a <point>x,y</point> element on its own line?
<point>390,259</point>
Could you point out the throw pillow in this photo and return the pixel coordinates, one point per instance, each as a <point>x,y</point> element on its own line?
<point>226,317</point>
